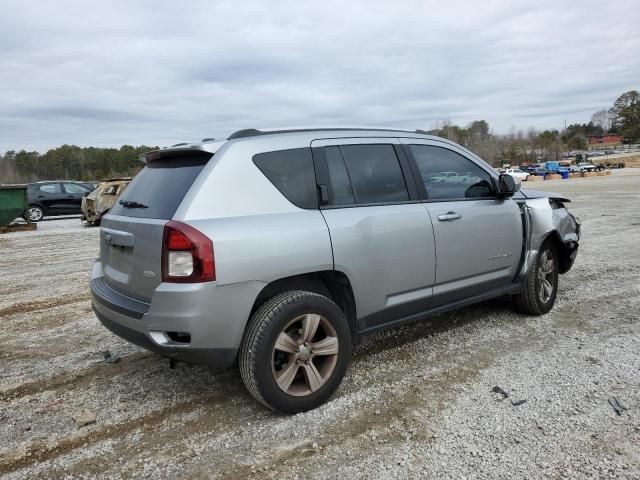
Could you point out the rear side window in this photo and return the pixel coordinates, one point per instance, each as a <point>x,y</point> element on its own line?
<point>158,190</point>
<point>365,174</point>
<point>447,175</point>
<point>74,188</point>
<point>50,188</point>
<point>291,172</point>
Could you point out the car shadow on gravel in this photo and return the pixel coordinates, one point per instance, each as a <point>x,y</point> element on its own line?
<point>432,325</point>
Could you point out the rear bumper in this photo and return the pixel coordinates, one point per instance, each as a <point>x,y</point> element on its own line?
<point>220,357</point>
<point>213,317</point>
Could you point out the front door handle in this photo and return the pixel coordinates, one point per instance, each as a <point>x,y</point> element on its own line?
<point>449,216</point>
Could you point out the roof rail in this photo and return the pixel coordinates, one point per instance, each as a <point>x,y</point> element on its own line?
<point>253,132</point>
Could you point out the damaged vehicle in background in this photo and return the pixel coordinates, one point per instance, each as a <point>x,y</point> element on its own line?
<point>282,248</point>
<point>98,203</point>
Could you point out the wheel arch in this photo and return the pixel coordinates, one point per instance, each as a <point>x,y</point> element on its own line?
<point>37,204</point>
<point>332,284</point>
<point>562,248</point>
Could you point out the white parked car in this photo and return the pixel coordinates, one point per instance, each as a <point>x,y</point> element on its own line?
<point>517,173</point>
<point>582,167</point>
<point>449,177</point>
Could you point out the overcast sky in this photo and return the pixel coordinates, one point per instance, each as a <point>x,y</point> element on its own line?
<point>160,72</point>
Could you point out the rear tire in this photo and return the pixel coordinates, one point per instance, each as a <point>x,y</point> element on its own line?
<point>34,213</point>
<point>541,285</point>
<point>295,351</point>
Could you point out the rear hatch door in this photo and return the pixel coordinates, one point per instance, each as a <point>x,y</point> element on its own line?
<point>131,234</point>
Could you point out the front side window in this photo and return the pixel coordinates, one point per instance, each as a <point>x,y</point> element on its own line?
<point>447,175</point>
<point>373,173</point>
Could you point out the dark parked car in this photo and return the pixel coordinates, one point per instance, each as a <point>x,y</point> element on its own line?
<point>538,171</point>
<point>91,185</point>
<point>55,198</point>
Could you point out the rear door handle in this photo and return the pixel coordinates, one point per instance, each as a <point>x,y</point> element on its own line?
<point>449,216</point>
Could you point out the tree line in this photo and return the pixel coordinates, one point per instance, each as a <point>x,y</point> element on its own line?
<point>73,162</point>
<point>518,146</point>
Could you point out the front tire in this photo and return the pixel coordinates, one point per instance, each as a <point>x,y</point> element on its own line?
<point>295,351</point>
<point>541,286</point>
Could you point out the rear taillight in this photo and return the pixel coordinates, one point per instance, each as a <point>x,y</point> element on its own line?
<point>187,254</point>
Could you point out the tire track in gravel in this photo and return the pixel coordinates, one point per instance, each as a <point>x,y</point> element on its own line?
<point>44,450</point>
<point>76,379</point>
<point>158,425</point>
<point>364,421</point>
<point>35,305</point>
<point>47,320</point>
<point>162,432</point>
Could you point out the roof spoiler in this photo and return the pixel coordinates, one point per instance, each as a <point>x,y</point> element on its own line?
<point>184,150</point>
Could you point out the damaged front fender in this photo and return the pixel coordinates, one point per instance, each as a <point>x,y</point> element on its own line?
<point>545,217</point>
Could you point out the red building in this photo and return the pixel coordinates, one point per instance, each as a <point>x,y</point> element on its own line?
<point>605,139</point>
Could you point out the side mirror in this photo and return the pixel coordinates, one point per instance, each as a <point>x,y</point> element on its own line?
<point>507,185</point>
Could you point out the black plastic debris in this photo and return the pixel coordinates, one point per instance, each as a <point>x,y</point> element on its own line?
<point>504,394</point>
<point>110,358</point>
<point>500,391</point>
<point>617,405</point>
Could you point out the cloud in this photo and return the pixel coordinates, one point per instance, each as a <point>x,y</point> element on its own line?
<point>108,73</point>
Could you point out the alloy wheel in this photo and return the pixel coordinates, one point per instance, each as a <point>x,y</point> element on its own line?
<point>545,276</point>
<point>35,214</point>
<point>305,355</point>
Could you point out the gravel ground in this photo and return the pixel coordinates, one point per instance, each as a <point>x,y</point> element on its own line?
<point>417,402</point>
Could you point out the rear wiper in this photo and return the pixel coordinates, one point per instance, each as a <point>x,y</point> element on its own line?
<point>131,204</point>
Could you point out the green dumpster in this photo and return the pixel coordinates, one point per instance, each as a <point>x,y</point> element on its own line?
<point>13,203</point>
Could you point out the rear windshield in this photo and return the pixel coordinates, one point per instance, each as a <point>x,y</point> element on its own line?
<point>158,190</point>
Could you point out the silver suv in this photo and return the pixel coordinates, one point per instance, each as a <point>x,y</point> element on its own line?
<point>282,248</point>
